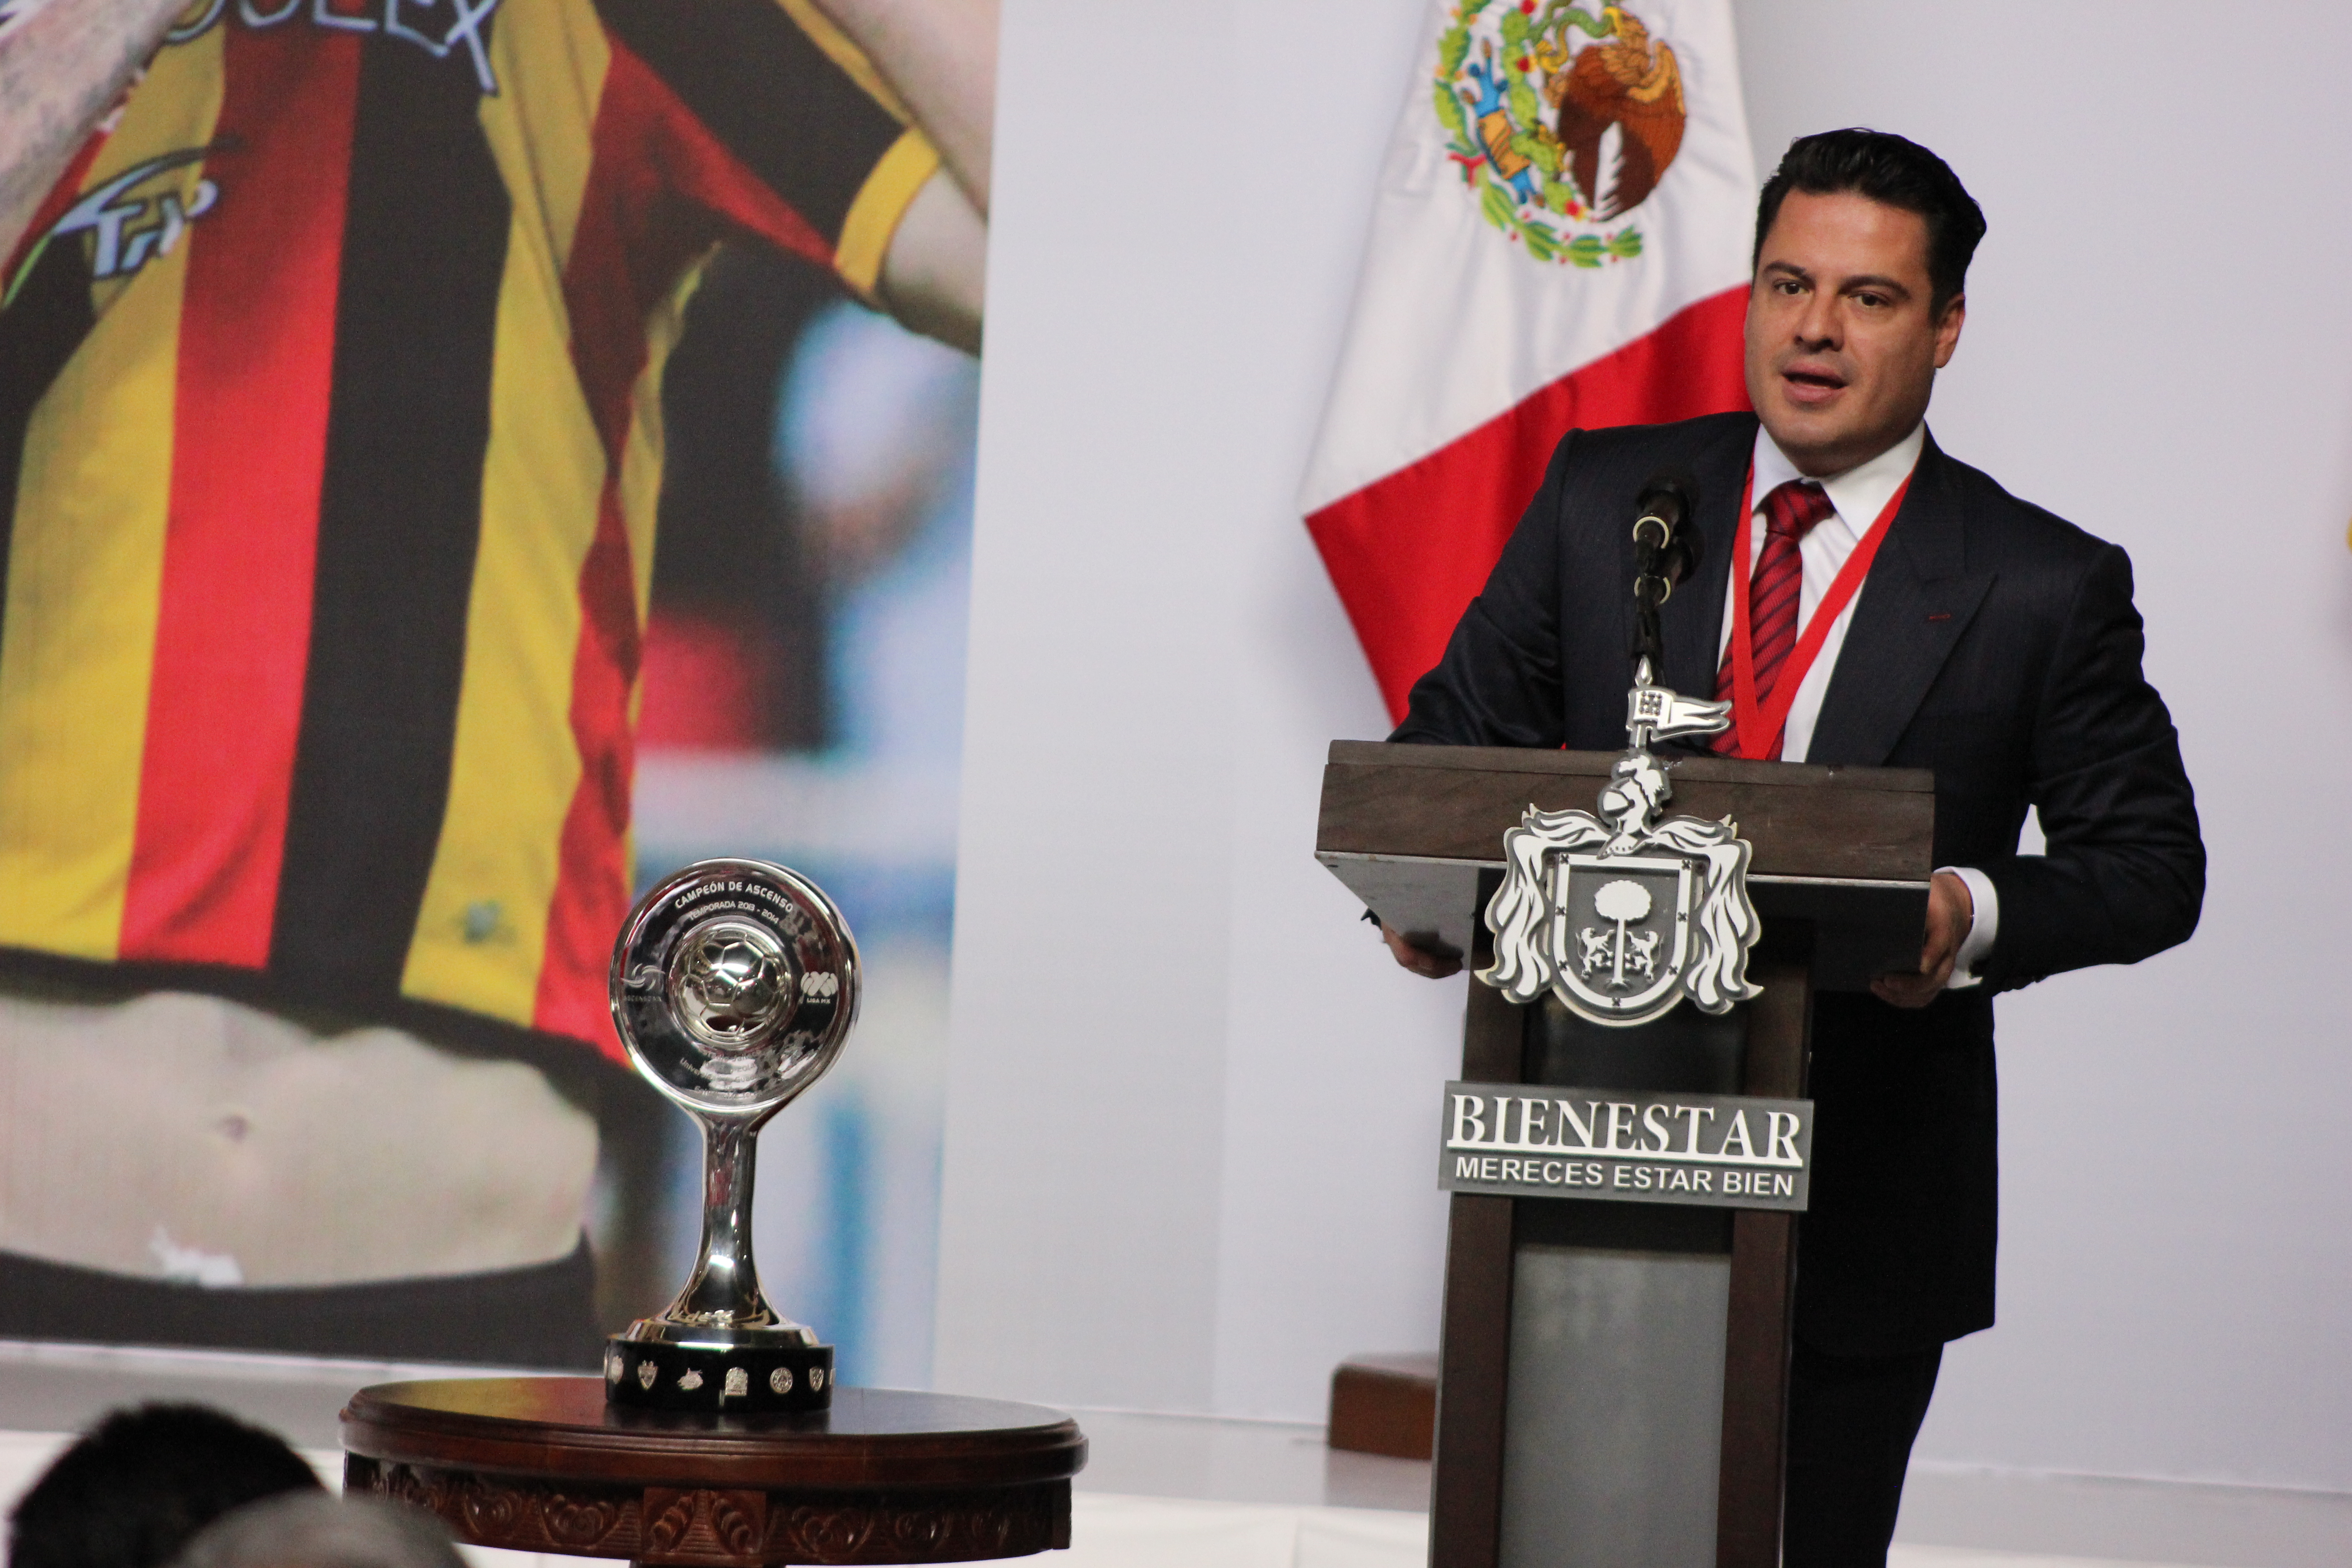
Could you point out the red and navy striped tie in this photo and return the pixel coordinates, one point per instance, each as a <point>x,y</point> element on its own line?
<point>1790,513</point>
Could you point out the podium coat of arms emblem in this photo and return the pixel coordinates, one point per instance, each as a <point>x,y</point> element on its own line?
<point>1623,914</point>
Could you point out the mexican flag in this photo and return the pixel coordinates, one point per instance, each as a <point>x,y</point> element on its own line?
<point>1561,239</point>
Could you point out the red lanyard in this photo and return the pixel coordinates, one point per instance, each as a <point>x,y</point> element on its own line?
<point>1758,725</point>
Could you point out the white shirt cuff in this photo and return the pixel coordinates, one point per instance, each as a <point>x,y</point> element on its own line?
<point>1982,929</point>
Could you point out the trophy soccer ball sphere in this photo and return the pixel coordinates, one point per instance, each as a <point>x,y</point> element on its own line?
<point>731,987</point>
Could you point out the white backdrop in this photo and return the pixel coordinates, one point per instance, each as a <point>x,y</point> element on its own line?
<point>1186,1164</point>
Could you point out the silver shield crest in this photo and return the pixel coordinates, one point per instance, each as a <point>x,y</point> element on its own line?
<point>1622,915</point>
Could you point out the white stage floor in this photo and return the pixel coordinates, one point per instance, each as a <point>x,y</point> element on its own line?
<point>1173,1491</point>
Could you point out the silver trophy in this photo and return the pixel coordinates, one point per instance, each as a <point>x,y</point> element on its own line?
<point>734,984</point>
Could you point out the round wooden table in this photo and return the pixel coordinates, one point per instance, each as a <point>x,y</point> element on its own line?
<point>542,1464</point>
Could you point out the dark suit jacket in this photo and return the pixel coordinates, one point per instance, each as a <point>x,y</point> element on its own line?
<point>1993,643</point>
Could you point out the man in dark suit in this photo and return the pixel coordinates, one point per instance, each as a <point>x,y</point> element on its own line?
<point>1989,641</point>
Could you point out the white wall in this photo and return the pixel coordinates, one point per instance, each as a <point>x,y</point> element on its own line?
<point>1158,993</point>
<point>1185,1166</point>
<point>2160,348</point>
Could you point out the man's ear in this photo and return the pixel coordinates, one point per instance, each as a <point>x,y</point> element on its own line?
<point>1948,329</point>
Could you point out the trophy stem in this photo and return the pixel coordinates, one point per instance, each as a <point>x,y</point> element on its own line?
<point>723,1292</point>
<point>720,1346</point>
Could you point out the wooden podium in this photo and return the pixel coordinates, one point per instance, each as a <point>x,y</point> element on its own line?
<point>1578,1368</point>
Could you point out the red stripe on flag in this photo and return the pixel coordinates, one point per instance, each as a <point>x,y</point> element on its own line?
<point>255,374</point>
<point>656,187</point>
<point>1409,552</point>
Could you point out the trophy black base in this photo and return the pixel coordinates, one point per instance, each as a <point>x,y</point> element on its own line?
<point>646,1374</point>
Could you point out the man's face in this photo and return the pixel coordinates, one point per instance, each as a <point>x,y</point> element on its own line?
<point>1842,349</point>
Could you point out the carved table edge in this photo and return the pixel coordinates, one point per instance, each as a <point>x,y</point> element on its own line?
<point>1022,1456</point>
<point>728,1527</point>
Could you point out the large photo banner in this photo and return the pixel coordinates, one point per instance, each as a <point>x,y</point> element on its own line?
<point>458,464</point>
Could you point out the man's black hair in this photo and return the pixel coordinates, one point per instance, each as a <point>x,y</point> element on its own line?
<point>136,1487</point>
<point>1895,170</point>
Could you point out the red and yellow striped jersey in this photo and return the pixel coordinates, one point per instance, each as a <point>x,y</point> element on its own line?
<point>330,444</point>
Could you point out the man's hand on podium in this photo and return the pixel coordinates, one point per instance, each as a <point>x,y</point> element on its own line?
<point>1950,914</point>
<point>1419,960</point>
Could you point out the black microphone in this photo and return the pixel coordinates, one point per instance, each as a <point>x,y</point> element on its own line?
<point>1665,550</point>
<point>1665,546</point>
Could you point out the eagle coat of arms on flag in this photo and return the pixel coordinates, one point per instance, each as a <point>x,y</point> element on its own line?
<point>1557,139</point>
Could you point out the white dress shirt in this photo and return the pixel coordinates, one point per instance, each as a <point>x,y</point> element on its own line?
<point>1859,495</point>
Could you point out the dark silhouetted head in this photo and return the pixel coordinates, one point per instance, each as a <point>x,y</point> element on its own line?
<point>310,1530</point>
<point>138,1486</point>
